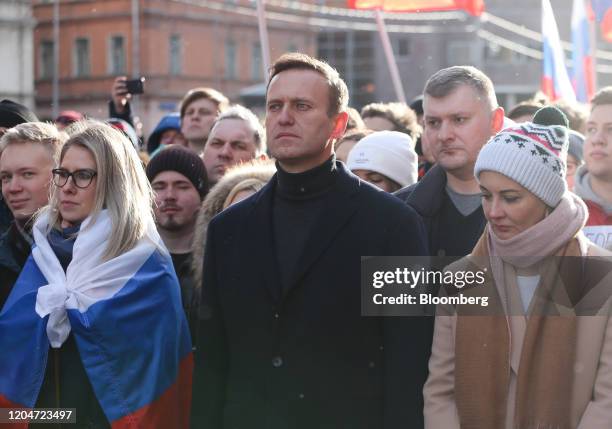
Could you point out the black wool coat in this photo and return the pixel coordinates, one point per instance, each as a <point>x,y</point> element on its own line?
<point>270,357</point>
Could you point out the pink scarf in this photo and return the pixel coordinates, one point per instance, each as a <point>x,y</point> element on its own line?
<point>543,239</point>
<point>483,342</point>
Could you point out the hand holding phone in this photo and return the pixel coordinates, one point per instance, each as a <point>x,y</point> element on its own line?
<point>135,86</point>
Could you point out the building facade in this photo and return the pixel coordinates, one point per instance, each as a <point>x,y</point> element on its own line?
<point>504,43</point>
<point>16,48</point>
<point>189,43</point>
<point>183,44</point>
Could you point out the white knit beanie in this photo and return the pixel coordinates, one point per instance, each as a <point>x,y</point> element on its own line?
<point>389,153</point>
<point>532,154</point>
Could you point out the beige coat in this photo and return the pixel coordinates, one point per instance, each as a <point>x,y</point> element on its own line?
<point>592,392</point>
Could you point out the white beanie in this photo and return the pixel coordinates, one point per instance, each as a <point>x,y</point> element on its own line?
<point>389,153</point>
<point>532,154</point>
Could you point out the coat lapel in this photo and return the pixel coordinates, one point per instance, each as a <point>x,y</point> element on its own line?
<point>259,227</point>
<point>339,207</point>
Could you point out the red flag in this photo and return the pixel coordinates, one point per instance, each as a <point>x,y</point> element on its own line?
<point>473,7</point>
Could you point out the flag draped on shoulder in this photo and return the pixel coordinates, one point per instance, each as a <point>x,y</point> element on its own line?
<point>127,320</point>
<point>555,79</point>
<point>473,7</point>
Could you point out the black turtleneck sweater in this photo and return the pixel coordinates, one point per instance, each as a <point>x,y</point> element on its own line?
<point>298,203</point>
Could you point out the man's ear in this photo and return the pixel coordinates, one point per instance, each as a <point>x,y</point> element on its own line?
<point>340,125</point>
<point>497,120</point>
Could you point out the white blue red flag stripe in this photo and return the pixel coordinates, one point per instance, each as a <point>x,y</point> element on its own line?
<point>555,80</point>
<point>583,74</point>
<point>602,10</point>
<point>134,344</point>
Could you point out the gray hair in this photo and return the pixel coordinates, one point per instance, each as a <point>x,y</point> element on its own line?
<point>445,81</point>
<point>122,185</point>
<point>242,113</point>
<point>43,133</point>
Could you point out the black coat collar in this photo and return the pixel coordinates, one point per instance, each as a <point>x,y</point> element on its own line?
<point>427,196</point>
<point>339,206</point>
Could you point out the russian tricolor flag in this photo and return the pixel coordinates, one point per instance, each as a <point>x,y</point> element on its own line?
<point>603,14</point>
<point>128,322</point>
<point>556,83</point>
<point>583,76</point>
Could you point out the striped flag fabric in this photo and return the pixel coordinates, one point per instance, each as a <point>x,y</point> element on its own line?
<point>127,320</point>
<point>473,7</point>
<point>602,10</point>
<point>555,83</point>
<point>583,73</point>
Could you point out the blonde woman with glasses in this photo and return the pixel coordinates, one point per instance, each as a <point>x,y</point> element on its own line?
<point>95,318</point>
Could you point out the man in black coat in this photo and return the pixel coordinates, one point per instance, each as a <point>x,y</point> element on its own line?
<point>460,115</point>
<point>281,339</point>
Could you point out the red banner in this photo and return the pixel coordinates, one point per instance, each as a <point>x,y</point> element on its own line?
<point>473,7</point>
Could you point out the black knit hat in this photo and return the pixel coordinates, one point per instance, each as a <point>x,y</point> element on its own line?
<point>12,114</point>
<point>182,161</point>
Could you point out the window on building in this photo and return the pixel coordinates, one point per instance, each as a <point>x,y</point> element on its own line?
<point>496,53</point>
<point>256,62</point>
<point>116,55</point>
<point>175,58</point>
<point>459,52</point>
<point>46,59</point>
<point>81,57</point>
<point>402,47</point>
<point>230,59</point>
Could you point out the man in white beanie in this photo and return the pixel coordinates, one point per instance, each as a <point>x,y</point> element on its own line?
<point>385,159</point>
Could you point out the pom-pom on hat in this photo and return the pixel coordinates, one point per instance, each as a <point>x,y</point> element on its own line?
<point>533,154</point>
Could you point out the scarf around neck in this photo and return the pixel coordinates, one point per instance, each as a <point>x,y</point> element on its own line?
<point>484,343</point>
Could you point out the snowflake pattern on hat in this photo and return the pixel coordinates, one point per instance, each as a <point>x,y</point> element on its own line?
<point>532,154</point>
<point>549,143</point>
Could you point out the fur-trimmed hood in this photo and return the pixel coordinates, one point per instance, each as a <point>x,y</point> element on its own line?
<point>213,205</point>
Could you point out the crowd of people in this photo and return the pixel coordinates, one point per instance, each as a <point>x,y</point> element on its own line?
<point>210,276</point>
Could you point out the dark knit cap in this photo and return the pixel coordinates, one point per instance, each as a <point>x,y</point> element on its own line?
<point>183,161</point>
<point>12,114</point>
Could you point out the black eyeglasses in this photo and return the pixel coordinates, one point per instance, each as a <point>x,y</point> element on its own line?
<point>81,178</point>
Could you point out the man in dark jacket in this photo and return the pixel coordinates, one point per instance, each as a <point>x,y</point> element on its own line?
<point>178,179</point>
<point>461,114</point>
<point>28,153</point>
<point>282,343</point>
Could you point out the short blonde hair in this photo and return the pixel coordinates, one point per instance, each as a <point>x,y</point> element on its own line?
<point>122,185</point>
<point>43,133</point>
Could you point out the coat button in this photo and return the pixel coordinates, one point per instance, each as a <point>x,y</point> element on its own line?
<point>301,396</point>
<point>277,361</point>
<point>276,315</point>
